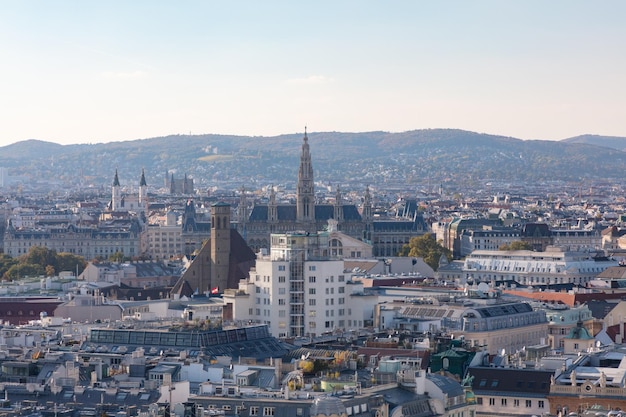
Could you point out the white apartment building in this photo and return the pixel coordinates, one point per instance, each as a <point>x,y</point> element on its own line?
<point>300,290</point>
<point>554,266</point>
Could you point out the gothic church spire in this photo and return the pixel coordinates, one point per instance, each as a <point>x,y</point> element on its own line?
<point>305,194</point>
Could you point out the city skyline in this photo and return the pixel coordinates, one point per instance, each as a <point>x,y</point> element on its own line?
<point>116,71</point>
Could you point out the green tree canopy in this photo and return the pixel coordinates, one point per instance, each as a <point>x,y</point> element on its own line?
<point>516,245</point>
<point>70,262</point>
<point>22,270</point>
<point>39,255</point>
<point>6,262</point>
<point>39,261</point>
<point>427,248</point>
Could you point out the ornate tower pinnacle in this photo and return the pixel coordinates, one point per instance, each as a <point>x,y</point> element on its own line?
<point>305,194</point>
<point>367,205</point>
<point>272,210</point>
<point>116,193</point>
<point>338,211</point>
<point>143,190</point>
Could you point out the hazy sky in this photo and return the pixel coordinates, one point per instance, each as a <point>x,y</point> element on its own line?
<point>97,71</point>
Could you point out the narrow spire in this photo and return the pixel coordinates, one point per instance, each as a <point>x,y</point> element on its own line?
<point>142,181</point>
<point>116,180</point>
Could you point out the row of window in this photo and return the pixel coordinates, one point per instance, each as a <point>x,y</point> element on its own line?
<point>505,402</point>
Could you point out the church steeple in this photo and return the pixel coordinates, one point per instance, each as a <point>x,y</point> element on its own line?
<point>242,212</point>
<point>305,194</point>
<point>338,211</point>
<point>367,205</point>
<point>272,210</point>
<point>116,193</point>
<point>143,190</point>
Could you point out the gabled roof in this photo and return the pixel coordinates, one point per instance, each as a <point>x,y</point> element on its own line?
<point>289,212</point>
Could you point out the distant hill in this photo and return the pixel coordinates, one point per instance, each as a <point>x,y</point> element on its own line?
<point>446,156</point>
<point>614,142</point>
<point>30,148</point>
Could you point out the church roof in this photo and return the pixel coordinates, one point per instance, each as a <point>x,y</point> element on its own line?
<point>241,259</point>
<point>286,212</point>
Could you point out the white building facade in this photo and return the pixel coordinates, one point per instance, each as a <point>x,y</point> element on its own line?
<point>299,290</point>
<point>554,266</point>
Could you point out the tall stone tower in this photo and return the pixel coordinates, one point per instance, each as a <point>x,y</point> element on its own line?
<point>272,208</point>
<point>220,245</point>
<point>366,215</point>
<point>242,212</point>
<point>367,205</point>
<point>116,193</point>
<point>305,193</point>
<point>338,208</point>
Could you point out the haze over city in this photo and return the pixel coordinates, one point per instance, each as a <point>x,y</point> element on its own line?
<point>86,72</point>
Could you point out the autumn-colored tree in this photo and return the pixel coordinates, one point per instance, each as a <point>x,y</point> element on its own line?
<point>307,366</point>
<point>427,248</point>
<point>50,271</point>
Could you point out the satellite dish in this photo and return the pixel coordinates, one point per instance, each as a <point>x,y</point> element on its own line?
<point>503,352</point>
<point>484,287</point>
<point>598,344</point>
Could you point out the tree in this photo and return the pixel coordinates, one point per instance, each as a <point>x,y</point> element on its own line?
<point>427,248</point>
<point>69,262</point>
<point>39,261</point>
<point>117,257</point>
<point>39,255</point>
<point>307,366</point>
<point>516,245</point>
<point>50,271</point>
<point>6,262</point>
<point>21,270</point>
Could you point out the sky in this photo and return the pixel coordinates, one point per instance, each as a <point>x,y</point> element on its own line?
<point>99,71</point>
